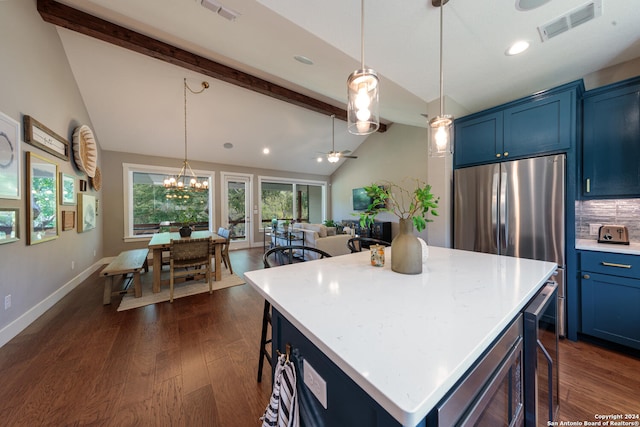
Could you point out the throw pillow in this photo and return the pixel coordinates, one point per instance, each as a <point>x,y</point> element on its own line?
<point>318,228</point>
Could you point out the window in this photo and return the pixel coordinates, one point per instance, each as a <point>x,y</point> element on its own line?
<point>150,207</point>
<point>299,200</point>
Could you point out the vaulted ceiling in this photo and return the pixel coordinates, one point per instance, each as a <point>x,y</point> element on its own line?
<point>135,97</point>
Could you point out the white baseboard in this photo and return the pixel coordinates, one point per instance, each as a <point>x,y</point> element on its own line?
<point>14,328</point>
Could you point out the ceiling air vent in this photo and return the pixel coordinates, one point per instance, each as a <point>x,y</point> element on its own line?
<point>570,20</point>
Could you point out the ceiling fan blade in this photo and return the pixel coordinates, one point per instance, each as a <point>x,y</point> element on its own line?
<point>345,152</point>
<point>350,157</point>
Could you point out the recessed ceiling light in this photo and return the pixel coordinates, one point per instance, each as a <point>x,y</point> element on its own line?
<point>517,48</point>
<point>303,59</point>
<point>319,159</point>
<point>529,4</point>
<point>265,151</point>
<point>228,145</point>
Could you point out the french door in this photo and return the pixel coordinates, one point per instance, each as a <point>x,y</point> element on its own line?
<point>236,208</point>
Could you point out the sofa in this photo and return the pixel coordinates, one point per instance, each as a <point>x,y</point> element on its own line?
<point>324,238</point>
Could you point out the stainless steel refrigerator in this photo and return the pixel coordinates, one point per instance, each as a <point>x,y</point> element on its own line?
<point>514,208</point>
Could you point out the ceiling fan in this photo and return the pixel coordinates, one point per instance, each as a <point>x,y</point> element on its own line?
<point>333,156</point>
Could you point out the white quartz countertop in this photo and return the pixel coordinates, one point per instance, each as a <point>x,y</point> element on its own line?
<point>404,339</point>
<point>593,245</point>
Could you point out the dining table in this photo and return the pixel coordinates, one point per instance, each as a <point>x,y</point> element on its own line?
<point>162,241</point>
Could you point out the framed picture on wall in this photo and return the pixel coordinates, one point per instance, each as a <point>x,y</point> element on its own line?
<point>86,212</point>
<point>9,158</point>
<point>9,225</point>
<point>67,189</point>
<point>42,200</point>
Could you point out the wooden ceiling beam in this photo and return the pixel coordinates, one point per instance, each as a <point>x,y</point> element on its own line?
<point>67,17</point>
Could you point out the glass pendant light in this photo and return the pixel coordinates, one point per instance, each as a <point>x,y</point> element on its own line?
<point>362,92</point>
<point>441,126</point>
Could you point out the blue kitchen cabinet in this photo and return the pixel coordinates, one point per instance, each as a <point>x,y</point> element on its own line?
<point>610,296</point>
<point>611,141</point>
<point>539,124</point>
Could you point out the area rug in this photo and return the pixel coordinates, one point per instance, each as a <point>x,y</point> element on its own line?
<point>180,290</point>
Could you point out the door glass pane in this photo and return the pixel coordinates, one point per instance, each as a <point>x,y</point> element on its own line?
<point>309,203</point>
<point>236,208</point>
<point>156,208</point>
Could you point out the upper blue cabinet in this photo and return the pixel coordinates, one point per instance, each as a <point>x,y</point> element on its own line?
<point>541,123</point>
<point>611,141</point>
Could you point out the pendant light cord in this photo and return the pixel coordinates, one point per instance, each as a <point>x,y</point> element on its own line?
<point>362,33</point>
<point>185,120</point>
<point>441,72</point>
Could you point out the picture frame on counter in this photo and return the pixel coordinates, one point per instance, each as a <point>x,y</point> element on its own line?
<point>10,158</point>
<point>42,202</point>
<point>9,225</point>
<point>40,136</point>
<point>67,189</point>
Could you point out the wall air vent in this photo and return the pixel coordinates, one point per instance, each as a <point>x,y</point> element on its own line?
<point>570,20</point>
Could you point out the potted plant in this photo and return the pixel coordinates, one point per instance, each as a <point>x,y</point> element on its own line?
<point>412,205</point>
<point>187,217</point>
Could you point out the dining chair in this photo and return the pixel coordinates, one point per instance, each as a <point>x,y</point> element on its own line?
<point>279,255</point>
<point>224,232</point>
<point>356,244</point>
<point>186,253</point>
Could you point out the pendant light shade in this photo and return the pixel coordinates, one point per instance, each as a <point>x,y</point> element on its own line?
<point>441,126</point>
<point>362,94</point>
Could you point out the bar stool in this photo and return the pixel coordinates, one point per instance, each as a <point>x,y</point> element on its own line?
<point>280,255</point>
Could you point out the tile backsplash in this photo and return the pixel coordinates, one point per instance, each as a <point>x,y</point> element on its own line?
<point>619,212</point>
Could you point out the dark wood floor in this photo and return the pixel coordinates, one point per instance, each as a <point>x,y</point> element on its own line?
<point>194,363</point>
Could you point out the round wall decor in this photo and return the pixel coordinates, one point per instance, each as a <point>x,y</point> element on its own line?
<point>96,181</point>
<point>85,152</point>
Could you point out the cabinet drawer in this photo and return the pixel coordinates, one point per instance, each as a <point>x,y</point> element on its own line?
<point>622,265</point>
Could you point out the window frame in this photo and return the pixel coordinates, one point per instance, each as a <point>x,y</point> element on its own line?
<point>294,182</point>
<point>128,169</point>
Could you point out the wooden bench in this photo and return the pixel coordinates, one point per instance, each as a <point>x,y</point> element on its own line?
<point>127,263</point>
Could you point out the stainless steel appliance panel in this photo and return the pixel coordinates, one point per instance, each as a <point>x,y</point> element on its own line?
<point>476,212</point>
<point>541,363</point>
<point>534,206</point>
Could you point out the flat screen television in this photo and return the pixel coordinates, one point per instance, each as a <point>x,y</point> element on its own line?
<point>361,200</point>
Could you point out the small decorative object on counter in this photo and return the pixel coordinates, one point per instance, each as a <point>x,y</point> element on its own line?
<point>377,255</point>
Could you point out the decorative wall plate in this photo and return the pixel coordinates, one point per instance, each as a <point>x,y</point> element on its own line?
<point>85,150</point>
<point>96,181</point>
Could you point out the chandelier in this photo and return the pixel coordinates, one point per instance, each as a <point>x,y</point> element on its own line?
<point>186,178</point>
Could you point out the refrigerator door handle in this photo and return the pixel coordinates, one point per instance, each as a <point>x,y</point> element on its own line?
<point>495,182</point>
<point>503,233</point>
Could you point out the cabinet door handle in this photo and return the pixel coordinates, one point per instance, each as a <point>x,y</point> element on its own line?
<point>586,276</point>
<point>506,153</point>
<point>588,185</point>
<point>613,264</point>
<point>498,155</point>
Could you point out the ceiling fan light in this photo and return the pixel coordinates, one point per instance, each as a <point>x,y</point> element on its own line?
<point>333,157</point>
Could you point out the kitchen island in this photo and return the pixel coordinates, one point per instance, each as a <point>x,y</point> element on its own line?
<point>404,340</point>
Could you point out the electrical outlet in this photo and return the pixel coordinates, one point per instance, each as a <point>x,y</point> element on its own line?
<point>73,265</point>
<point>7,301</point>
<point>315,383</point>
<point>94,252</point>
<point>594,229</point>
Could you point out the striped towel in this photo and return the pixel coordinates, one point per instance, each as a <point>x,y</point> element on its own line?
<point>282,410</point>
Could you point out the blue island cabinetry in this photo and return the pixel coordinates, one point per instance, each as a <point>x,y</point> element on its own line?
<point>610,296</point>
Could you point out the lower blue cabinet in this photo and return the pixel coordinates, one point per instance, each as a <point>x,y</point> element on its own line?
<point>610,295</point>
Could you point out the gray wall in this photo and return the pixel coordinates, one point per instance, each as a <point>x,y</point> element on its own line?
<point>35,79</point>
<point>113,203</point>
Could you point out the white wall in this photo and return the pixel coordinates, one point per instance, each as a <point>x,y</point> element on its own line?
<point>36,80</point>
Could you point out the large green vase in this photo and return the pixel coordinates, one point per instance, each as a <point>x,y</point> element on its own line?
<point>406,250</point>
